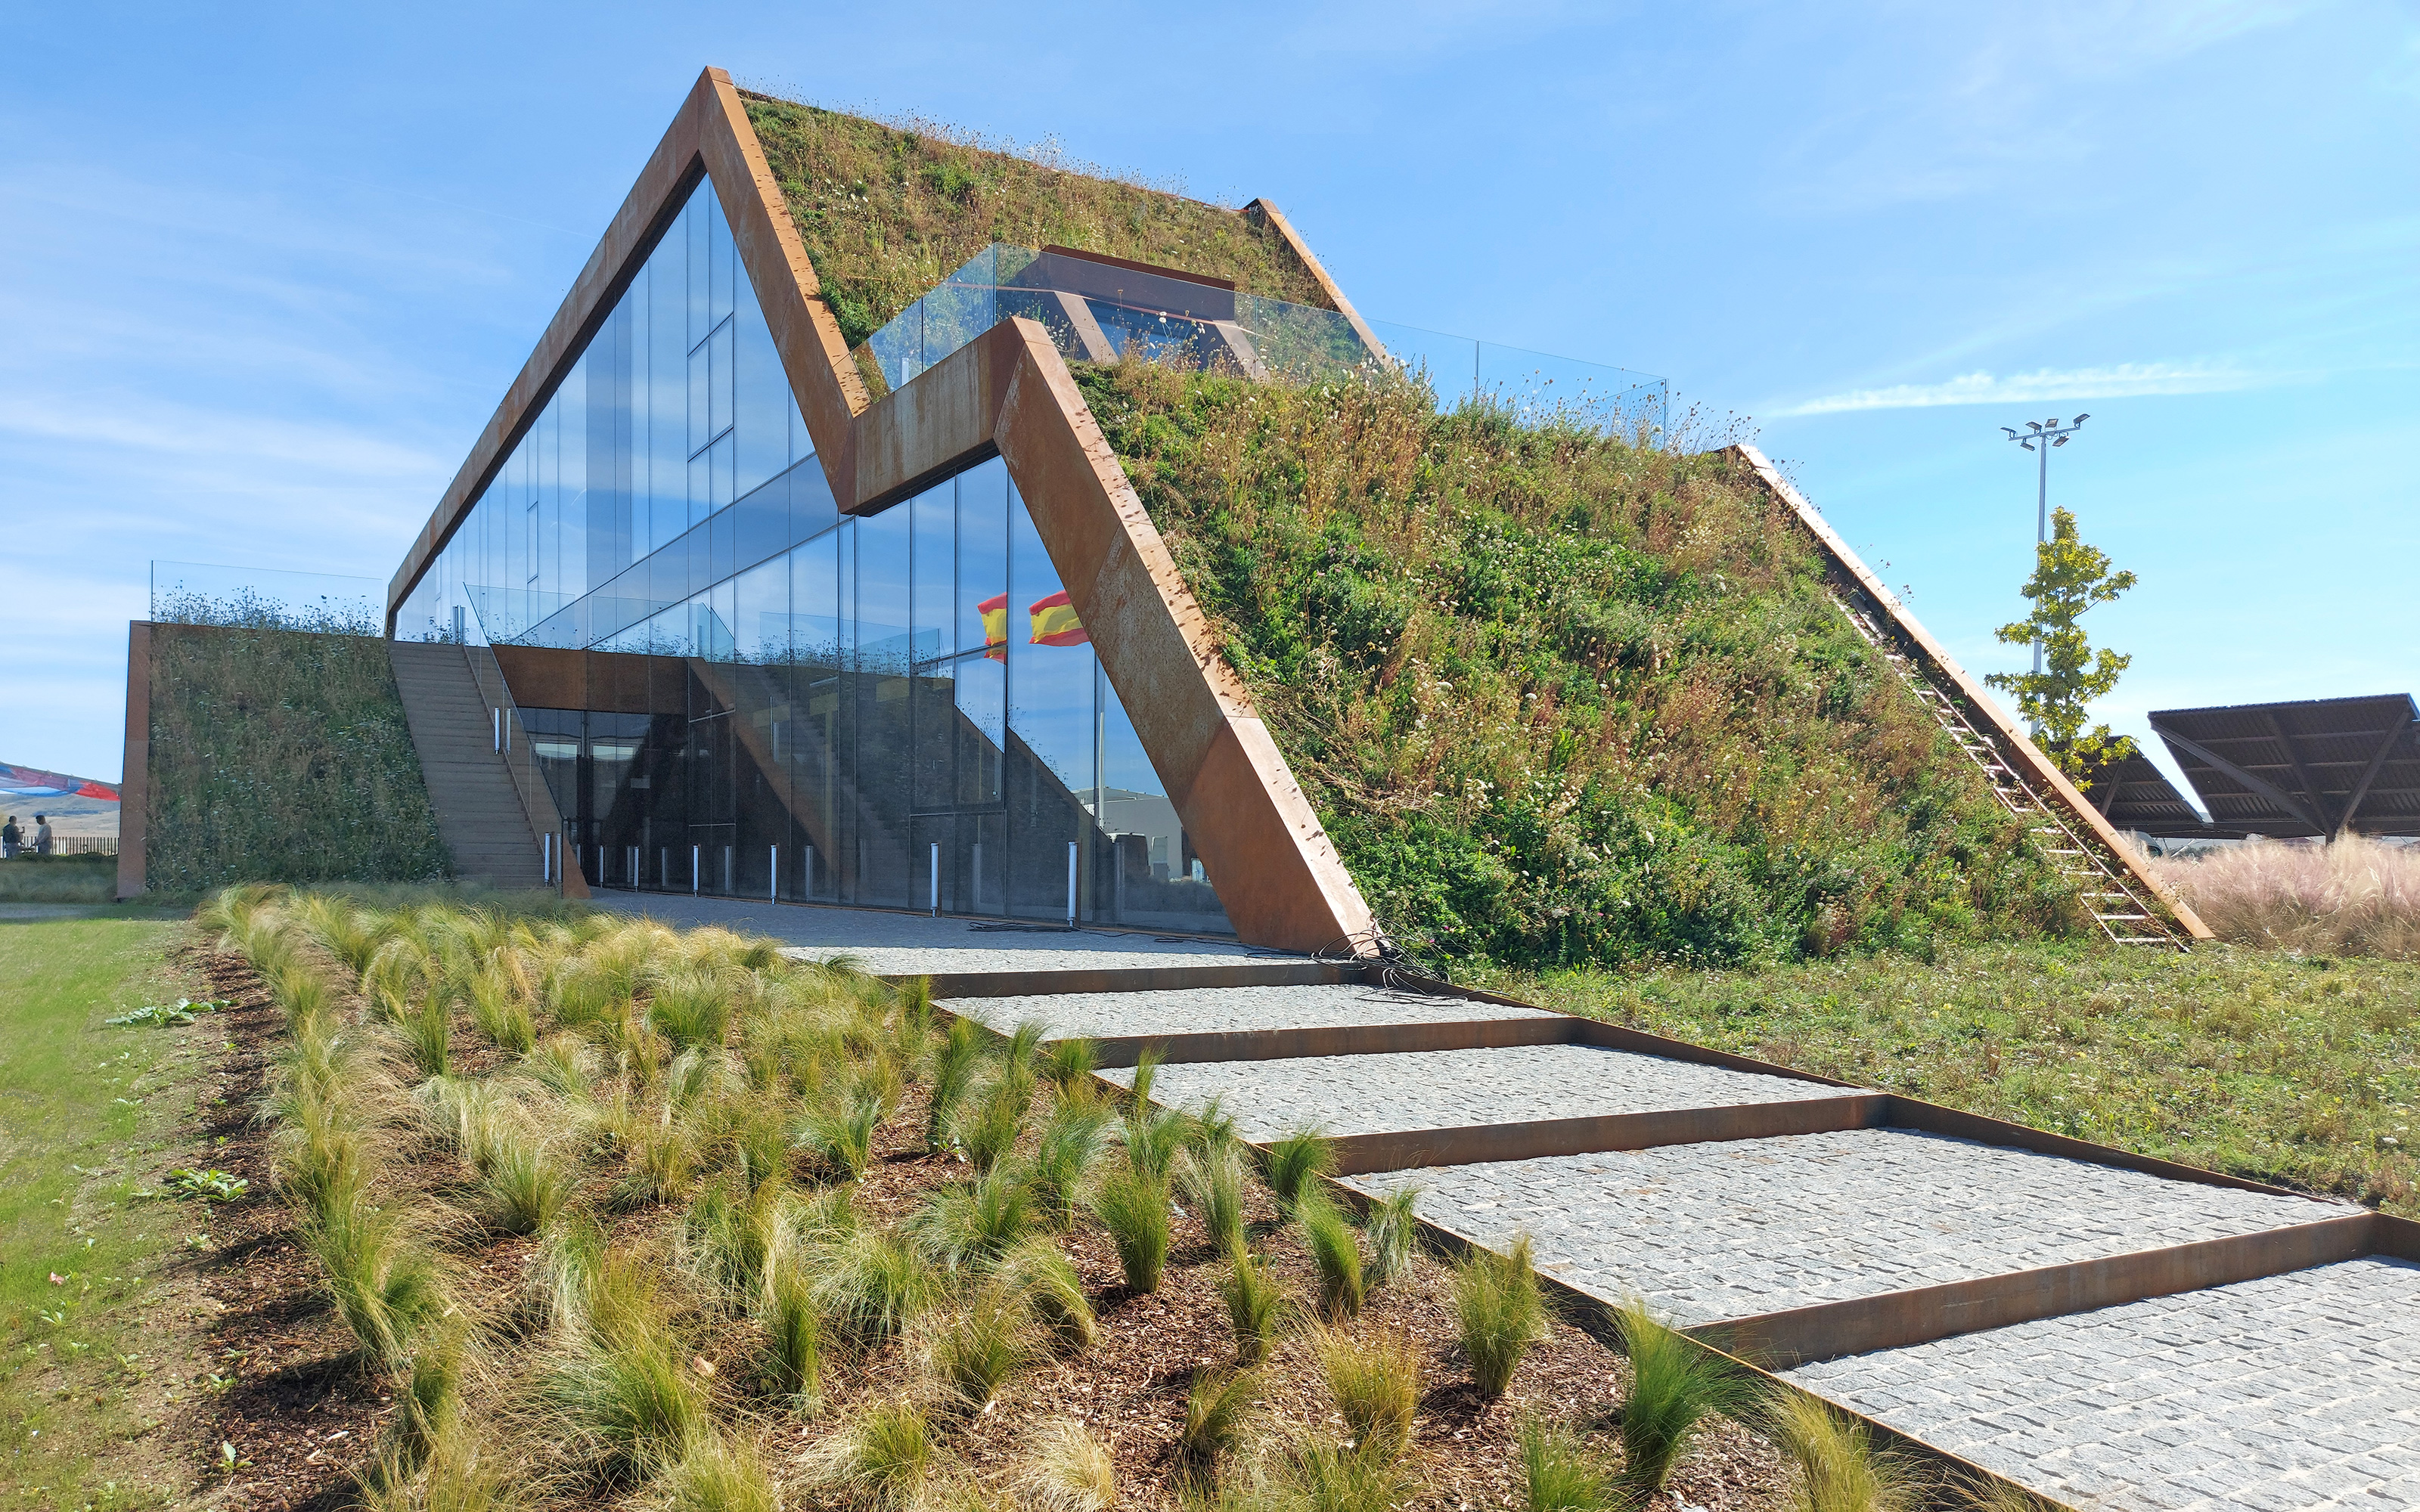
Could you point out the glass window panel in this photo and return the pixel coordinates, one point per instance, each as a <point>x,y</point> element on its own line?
<point>719,258</point>
<point>701,397</point>
<point>719,478</point>
<point>763,622</point>
<point>668,394</point>
<point>814,600</point>
<point>700,488</point>
<point>982,560</point>
<point>934,514</point>
<point>701,208</point>
<point>882,596</point>
<point>718,399</point>
<point>1050,669</point>
<point>761,400</point>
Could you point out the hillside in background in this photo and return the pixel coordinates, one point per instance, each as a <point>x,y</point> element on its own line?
<point>1559,699</point>
<point>889,211</point>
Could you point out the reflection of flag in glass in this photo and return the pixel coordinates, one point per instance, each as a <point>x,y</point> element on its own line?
<point>995,617</point>
<point>1055,622</point>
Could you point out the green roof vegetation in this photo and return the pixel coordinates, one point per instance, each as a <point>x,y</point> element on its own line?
<point>887,211</point>
<point>281,753</point>
<point>1561,698</point>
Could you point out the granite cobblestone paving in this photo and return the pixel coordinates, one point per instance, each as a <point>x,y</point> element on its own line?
<point>1712,1231</point>
<point>2298,1390</point>
<point>1227,1010</point>
<point>1458,1089</point>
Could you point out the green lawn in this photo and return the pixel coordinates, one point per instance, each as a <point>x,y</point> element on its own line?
<point>84,1114</point>
<point>2296,1069</point>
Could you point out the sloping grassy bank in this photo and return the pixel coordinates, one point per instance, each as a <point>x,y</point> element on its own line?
<point>2298,1069</point>
<point>1562,699</point>
<point>282,755</point>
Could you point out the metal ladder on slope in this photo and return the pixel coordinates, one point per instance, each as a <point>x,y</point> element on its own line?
<point>2116,903</point>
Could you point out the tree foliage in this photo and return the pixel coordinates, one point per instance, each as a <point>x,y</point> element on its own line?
<point>2069,578</point>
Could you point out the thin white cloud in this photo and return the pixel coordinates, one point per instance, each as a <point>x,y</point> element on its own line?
<point>2125,380</point>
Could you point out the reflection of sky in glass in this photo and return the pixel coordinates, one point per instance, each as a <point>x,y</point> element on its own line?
<point>1049,687</point>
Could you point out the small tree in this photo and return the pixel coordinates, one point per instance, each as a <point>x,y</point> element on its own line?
<point>2069,578</point>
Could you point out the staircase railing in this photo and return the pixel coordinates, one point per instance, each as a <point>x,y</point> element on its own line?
<point>559,856</point>
<point>2127,903</point>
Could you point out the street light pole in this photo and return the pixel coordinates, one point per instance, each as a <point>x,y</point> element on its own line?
<point>2041,436</point>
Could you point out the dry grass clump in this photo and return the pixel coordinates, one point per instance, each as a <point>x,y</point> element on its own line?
<point>710,1307</point>
<point>1675,1388</point>
<point>1838,1468</point>
<point>2351,896</point>
<point>1497,1302</point>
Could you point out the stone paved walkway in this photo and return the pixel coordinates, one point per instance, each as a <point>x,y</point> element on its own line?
<point>1457,1088</point>
<point>1719,1231</point>
<point>2296,1392</point>
<point>2292,1392</point>
<point>1225,1011</point>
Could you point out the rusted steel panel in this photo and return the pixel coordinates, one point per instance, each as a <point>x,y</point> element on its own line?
<point>1931,1118</point>
<point>1414,1150</point>
<point>1261,210</point>
<point>134,774</point>
<point>1897,1319</point>
<point>1315,1044</point>
<point>1127,979</point>
<point>1281,878</point>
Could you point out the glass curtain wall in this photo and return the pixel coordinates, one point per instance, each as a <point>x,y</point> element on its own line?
<point>736,691</point>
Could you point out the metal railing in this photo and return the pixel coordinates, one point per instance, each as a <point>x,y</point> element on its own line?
<point>510,737</point>
<point>2118,905</point>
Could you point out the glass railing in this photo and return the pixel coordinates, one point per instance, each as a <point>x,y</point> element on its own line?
<point>1098,310</point>
<point>204,592</point>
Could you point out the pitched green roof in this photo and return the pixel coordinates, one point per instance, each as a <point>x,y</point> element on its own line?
<point>887,212</point>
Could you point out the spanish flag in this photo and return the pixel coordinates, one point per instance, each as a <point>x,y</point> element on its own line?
<point>1055,622</point>
<point>995,620</point>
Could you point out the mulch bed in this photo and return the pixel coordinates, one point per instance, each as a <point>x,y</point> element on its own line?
<point>305,1416</point>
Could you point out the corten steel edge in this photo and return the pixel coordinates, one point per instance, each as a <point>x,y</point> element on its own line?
<point>1822,1331</point>
<point>1011,395</point>
<point>134,782</point>
<point>2013,745</point>
<point>1959,1477</point>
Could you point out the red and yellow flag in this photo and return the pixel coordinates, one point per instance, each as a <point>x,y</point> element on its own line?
<point>994,622</point>
<point>1055,622</point>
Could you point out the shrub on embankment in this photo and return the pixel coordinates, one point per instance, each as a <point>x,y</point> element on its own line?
<point>1561,698</point>
<point>281,754</point>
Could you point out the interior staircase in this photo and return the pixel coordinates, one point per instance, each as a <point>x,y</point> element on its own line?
<point>479,812</point>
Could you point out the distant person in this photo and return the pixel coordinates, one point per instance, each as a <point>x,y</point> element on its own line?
<point>41,834</point>
<point>10,837</point>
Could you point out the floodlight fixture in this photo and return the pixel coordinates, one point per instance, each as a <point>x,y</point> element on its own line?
<point>2048,434</point>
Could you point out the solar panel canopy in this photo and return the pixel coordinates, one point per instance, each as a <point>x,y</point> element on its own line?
<point>2316,768</point>
<point>2135,795</point>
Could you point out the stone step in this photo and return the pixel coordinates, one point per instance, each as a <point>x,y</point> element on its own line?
<point>479,813</point>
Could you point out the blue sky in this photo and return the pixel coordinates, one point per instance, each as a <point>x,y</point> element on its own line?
<point>264,274</point>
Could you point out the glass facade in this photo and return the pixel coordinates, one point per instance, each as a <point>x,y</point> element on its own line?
<point>735,690</point>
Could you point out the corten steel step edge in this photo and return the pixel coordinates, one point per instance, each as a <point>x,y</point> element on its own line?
<point>1903,1112</point>
<point>1604,1134</point>
<point>1319,1043</point>
<point>1896,1320</point>
<point>1591,1315</point>
<point>1054,981</point>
